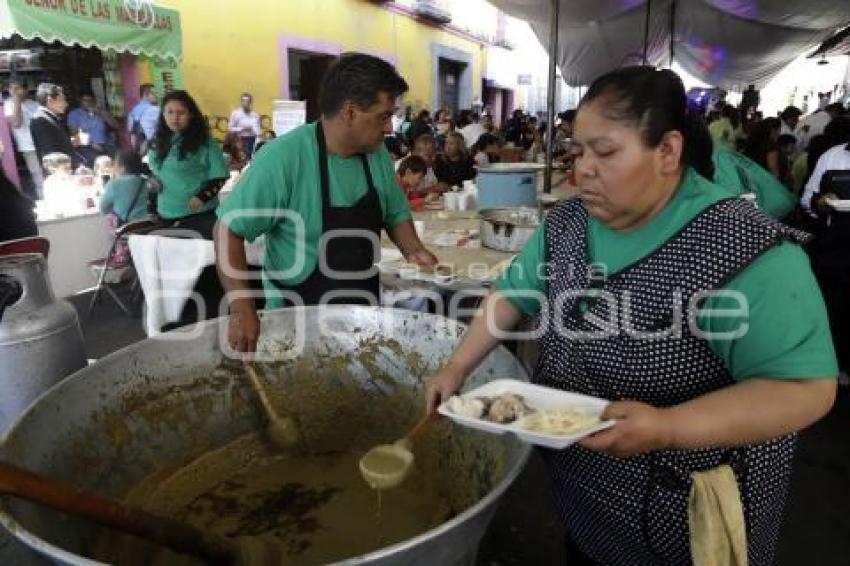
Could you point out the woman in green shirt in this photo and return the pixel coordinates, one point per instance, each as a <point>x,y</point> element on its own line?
<point>696,315</point>
<point>188,164</point>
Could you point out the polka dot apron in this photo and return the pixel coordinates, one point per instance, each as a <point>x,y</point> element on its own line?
<point>634,511</point>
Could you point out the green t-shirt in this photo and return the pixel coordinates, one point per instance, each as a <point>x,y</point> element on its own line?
<point>283,183</point>
<point>771,196</point>
<point>788,332</point>
<point>181,180</point>
<point>126,196</point>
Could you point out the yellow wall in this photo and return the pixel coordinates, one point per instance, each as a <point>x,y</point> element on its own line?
<point>231,46</point>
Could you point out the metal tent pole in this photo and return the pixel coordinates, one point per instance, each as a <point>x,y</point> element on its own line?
<point>646,32</point>
<point>550,95</point>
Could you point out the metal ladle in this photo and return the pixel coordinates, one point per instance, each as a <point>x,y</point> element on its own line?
<point>387,465</point>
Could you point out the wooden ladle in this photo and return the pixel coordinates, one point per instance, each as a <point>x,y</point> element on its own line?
<point>178,536</point>
<point>387,465</point>
<point>281,431</point>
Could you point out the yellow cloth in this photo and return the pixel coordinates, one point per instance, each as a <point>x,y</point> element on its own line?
<point>716,519</point>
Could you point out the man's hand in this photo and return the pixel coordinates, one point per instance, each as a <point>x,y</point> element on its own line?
<point>422,257</point>
<point>821,202</point>
<point>640,428</point>
<point>243,327</point>
<point>195,204</point>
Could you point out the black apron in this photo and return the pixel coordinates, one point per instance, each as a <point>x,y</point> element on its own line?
<point>345,254</point>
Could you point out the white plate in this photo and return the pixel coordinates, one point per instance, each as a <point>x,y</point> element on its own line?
<point>405,270</point>
<point>839,205</point>
<point>539,398</point>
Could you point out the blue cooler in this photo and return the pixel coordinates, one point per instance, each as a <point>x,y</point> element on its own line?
<point>507,185</point>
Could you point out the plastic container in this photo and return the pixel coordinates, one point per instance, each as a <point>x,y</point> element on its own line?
<point>538,398</point>
<point>504,185</point>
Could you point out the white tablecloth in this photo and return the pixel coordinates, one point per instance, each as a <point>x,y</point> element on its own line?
<point>168,269</point>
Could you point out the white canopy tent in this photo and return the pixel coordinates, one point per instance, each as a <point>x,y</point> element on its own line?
<point>721,42</point>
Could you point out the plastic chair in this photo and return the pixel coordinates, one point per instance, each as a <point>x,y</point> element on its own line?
<point>108,263</point>
<point>30,245</point>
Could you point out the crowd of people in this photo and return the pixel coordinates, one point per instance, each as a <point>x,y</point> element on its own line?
<point>170,164</point>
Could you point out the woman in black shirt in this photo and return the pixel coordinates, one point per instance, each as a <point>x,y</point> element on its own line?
<point>454,166</point>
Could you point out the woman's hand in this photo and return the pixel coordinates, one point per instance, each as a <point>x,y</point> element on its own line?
<point>442,386</point>
<point>640,428</point>
<point>195,204</point>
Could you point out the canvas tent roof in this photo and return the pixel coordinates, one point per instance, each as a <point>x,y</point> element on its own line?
<point>721,42</point>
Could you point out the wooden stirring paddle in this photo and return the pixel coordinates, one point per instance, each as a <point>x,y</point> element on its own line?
<point>178,536</point>
<point>281,431</point>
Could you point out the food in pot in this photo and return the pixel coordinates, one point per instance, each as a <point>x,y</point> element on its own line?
<point>560,422</point>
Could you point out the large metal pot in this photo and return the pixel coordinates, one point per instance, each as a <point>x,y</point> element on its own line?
<point>40,337</point>
<point>508,229</point>
<point>162,401</point>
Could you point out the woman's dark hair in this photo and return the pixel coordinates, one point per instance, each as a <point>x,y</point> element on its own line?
<point>483,141</point>
<point>761,142</point>
<point>414,164</point>
<point>358,78</point>
<point>655,102</point>
<point>195,135</point>
<point>130,161</point>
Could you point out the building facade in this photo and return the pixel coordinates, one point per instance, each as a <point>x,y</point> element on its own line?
<point>278,49</point>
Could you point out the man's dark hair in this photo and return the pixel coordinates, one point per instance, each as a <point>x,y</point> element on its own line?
<point>835,108</point>
<point>423,139</point>
<point>414,164</point>
<point>47,90</point>
<point>246,95</point>
<point>791,112</point>
<point>786,139</point>
<point>358,78</point>
<point>144,89</point>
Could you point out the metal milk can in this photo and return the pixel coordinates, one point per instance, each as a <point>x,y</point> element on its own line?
<point>40,337</point>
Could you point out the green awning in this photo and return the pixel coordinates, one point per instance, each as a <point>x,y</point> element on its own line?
<point>107,24</point>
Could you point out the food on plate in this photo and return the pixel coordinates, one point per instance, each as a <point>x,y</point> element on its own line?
<point>508,407</point>
<point>467,407</point>
<point>503,409</point>
<point>560,422</point>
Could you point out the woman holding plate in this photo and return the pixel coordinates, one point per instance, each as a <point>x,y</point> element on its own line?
<point>694,313</point>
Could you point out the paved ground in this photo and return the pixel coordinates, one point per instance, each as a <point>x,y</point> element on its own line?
<point>525,532</point>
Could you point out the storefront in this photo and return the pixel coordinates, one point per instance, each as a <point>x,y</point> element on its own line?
<point>107,47</point>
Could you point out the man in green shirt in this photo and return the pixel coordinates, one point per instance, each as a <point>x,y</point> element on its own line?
<point>321,195</point>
